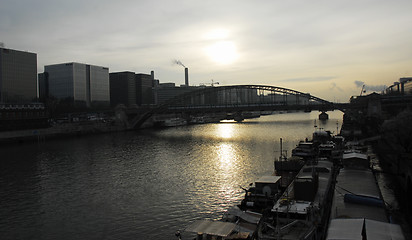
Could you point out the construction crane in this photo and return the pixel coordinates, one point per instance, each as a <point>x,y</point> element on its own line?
<point>362,90</point>
<point>213,83</point>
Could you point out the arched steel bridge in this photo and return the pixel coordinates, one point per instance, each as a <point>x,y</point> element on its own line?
<point>239,98</point>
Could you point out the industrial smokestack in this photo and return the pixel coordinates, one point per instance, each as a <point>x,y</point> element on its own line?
<point>178,62</point>
<point>186,77</point>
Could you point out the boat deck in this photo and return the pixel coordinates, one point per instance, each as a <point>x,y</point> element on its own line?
<point>287,203</point>
<point>359,182</point>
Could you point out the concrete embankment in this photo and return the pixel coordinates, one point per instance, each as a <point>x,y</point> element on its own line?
<point>60,130</point>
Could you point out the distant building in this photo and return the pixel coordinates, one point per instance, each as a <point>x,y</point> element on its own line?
<point>132,89</point>
<point>167,91</point>
<point>18,76</point>
<point>144,86</point>
<point>122,88</point>
<point>77,83</point>
<point>43,82</point>
<point>142,89</point>
<point>404,86</point>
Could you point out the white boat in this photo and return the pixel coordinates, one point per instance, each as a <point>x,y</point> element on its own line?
<point>305,150</point>
<point>173,122</point>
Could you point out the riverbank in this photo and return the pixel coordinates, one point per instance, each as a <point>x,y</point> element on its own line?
<point>60,130</point>
<point>389,136</point>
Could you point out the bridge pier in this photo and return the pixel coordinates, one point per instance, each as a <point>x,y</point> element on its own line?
<point>323,116</point>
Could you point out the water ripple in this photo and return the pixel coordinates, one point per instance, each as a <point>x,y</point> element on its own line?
<point>138,185</point>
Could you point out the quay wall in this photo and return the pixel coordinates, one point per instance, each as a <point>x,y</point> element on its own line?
<point>60,130</point>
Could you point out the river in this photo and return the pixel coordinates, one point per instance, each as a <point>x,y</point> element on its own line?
<point>144,184</point>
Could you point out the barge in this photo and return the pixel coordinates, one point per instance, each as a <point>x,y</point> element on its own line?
<point>303,209</point>
<point>358,209</point>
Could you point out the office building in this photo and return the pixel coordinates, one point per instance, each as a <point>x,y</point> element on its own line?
<point>122,88</point>
<point>132,89</point>
<point>77,83</point>
<point>167,91</point>
<point>144,86</point>
<point>43,82</point>
<point>18,76</point>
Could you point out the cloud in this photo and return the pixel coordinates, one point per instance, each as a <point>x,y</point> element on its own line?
<point>335,87</point>
<point>309,79</point>
<point>359,83</point>
<point>371,88</point>
<point>377,88</point>
<point>290,43</point>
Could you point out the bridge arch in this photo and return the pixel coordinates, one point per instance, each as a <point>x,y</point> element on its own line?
<point>241,97</point>
<point>235,94</point>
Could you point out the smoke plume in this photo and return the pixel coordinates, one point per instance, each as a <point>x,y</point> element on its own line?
<point>334,86</point>
<point>179,63</point>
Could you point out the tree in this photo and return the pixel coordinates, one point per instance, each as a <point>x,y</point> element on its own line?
<point>397,132</point>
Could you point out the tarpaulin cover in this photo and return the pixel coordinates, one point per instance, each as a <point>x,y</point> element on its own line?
<point>215,228</point>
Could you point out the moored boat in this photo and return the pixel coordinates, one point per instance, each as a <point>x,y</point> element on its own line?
<point>358,209</point>
<point>287,168</point>
<point>171,122</point>
<point>303,209</point>
<point>208,229</point>
<point>235,224</point>
<point>305,149</point>
<point>262,195</point>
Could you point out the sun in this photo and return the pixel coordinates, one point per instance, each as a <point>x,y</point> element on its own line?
<point>222,52</point>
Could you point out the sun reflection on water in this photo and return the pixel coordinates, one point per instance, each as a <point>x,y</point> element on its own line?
<point>226,156</point>
<point>228,165</point>
<point>225,131</point>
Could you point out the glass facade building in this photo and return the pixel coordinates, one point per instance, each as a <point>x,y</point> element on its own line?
<point>79,83</point>
<point>122,88</point>
<point>18,76</point>
<point>131,89</point>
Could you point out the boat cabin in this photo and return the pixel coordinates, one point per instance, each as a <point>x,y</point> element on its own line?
<point>321,136</point>
<point>355,160</point>
<point>305,150</point>
<point>268,185</point>
<point>308,190</point>
<point>263,194</point>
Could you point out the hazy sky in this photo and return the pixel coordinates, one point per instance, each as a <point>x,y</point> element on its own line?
<point>328,48</point>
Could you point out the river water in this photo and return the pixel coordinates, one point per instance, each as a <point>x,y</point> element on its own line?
<point>140,185</point>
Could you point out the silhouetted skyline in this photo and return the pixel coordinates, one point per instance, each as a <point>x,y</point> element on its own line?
<point>322,47</point>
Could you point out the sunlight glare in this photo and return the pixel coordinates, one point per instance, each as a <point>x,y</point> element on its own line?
<point>217,34</point>
<point>226,156</point>
<point>224,131</point>
<point>223,52</point>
